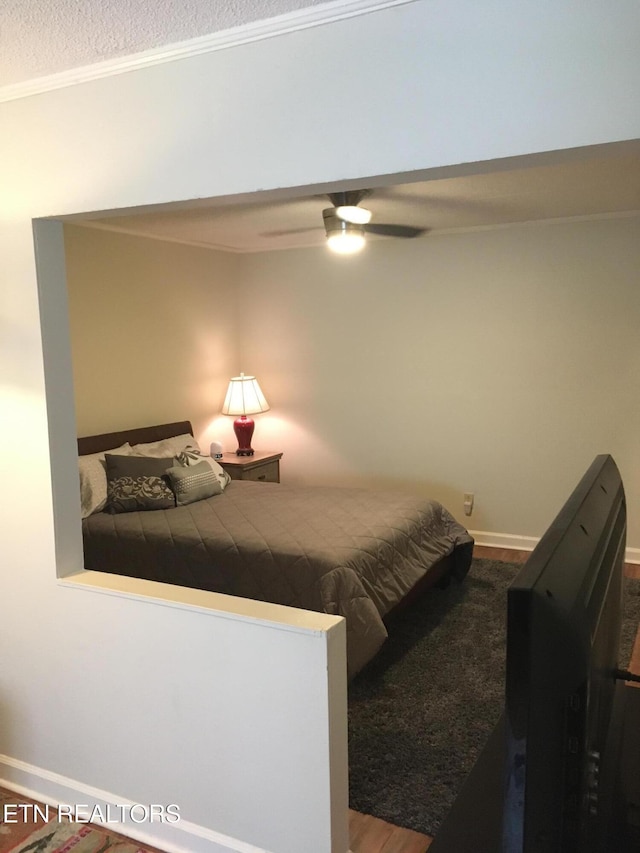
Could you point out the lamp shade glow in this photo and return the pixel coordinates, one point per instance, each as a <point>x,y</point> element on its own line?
<point>244,397</point>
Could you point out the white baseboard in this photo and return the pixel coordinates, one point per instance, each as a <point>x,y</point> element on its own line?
<point>53,789</point>
<point>504,540</point>
<point>632,555</point>
<point>528,543</point>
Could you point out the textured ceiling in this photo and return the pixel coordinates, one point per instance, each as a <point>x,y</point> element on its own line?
<point>42,37</point>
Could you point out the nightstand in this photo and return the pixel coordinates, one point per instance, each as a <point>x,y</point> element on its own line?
<point>262,466</point>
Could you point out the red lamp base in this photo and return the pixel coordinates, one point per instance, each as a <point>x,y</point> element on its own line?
<point>243,428</point>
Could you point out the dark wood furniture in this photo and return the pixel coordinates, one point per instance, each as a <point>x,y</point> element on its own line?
<point>143,435</point>
<point>262,466</point>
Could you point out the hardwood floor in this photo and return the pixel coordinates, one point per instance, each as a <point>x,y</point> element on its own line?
<point>371,835</point>
<point>506,555</point>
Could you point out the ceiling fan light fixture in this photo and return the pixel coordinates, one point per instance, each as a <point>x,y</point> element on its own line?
<point>346,242</point>
<point>353,214</point>
<point>344,238</point>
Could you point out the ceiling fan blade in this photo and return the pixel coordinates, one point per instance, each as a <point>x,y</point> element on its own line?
<point>288,231</point>
<point>394,230</point>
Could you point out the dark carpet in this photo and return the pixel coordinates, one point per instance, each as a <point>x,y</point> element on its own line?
<point>420,713</point>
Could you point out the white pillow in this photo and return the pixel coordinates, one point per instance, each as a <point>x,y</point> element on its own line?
<point>167,447</point>
<point>93,479</point>
<point>191,456</point>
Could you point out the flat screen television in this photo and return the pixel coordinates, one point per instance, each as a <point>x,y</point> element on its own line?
<point>564,616</point>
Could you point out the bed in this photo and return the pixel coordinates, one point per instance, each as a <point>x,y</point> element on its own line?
<point>359,553</point>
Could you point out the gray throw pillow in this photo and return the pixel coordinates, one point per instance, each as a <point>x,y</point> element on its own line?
<point>194,482</point>
<point>93,479</point>
<point>138,483</point>
<point>192,456</point>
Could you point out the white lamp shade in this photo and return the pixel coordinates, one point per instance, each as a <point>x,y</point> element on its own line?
<point>244,397</point>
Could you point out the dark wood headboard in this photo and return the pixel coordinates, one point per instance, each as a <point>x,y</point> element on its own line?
<point>141,435</point>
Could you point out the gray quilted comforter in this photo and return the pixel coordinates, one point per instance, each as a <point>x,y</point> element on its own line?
<point>352,552</point>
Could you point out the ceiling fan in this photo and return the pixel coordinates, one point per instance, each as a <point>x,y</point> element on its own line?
<point>346,223</point>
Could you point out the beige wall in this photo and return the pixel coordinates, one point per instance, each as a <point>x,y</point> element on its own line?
<point>153,332</point>
<point>497,362</point>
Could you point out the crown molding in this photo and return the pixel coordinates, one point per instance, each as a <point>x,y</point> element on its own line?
<point>302,19</point>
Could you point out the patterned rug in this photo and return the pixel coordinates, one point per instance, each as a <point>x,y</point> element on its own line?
<point>422,711</point>
<point>36,836</point>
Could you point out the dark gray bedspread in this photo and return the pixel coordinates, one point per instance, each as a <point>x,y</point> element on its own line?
<point>352,552</point>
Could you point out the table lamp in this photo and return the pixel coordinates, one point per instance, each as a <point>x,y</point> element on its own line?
<point>244,397</point>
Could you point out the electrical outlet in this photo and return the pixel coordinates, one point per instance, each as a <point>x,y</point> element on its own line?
<point>468,499</point>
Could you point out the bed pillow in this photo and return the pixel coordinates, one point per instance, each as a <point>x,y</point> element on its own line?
<point>138,483</point>
<point>93,479</point>
<point>191,456</point>
<point>193,482</point>
<point>167,447</point>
